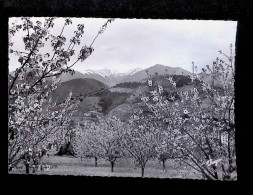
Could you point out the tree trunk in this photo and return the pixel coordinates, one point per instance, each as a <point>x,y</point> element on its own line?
<point>96,161</point>
<point>226,175</point>
<point>229,150</point>
<point>27,168</point>
<point>112,165</point>
<point>206,176</point>
<point>34,170</point>
<point>163,165</point>
<point>215,172</point>
<point>142,171</point>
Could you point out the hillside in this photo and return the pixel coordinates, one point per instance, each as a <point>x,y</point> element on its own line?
<point>136,90</point>
<point>79,87</point>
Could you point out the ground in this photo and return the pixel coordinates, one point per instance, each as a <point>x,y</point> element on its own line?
<point>65,165</point>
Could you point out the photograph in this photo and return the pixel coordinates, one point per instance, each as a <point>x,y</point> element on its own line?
<point>117,97</point>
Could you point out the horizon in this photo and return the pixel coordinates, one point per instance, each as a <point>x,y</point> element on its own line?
<point>117,71</point>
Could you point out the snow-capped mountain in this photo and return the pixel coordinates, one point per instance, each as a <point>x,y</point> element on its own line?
<point>104,72</point>
<point>133,71</point>
<point>156,69</point>
<point>109,76</point>
<point>112,77</point>
<point>111,72</point>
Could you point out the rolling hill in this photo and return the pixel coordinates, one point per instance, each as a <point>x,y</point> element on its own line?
<point>79,87</point>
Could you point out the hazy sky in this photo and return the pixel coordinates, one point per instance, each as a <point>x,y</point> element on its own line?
<point>141,43</point>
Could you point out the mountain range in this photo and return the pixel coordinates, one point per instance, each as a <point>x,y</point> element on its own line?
<point>112,77</point>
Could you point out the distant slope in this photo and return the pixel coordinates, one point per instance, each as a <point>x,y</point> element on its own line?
<point>106,76</point>
<point>79,87</point>
<point>67,76</point>
<point>157,69</point>
<point>110,77</point>
<point>109,80</point>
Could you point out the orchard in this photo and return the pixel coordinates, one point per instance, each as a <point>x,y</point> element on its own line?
<point>194,128</point>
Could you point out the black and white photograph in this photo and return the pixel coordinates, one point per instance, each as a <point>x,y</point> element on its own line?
<point>116,97</point>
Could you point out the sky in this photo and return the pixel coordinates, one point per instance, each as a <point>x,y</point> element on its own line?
<point>141,43</point>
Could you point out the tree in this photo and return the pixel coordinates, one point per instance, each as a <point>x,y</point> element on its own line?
<point>139,139</point>
<point>34,120</point>
<point>165,149</point>
<point>101,139</point>
<point>85,142</point>
<point>203,138</point>
<point>67,147</point>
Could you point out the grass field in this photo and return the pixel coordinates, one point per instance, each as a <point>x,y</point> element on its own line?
<point>66,165</point>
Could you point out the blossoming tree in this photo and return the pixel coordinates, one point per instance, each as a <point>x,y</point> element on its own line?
<point>34,119</point>
<point>202,130</point>
<point>139,138</point>
<point>100,140</point>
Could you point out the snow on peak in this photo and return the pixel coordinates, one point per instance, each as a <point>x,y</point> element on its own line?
<point>133,71</point>
<point>103,72</point>
<point>111,72</point>
<point>88,71</point>
<point>108,72</point>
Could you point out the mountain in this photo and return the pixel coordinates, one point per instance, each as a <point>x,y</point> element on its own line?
<point>108,76</point>
<point>67,77</point>
<point>104,72</point>
<point>156,69</point>
<point>112,77</point>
